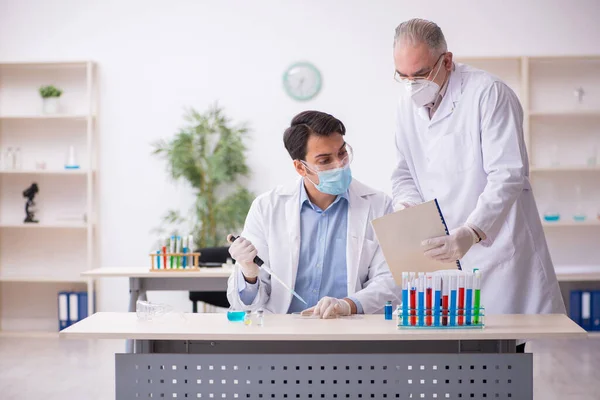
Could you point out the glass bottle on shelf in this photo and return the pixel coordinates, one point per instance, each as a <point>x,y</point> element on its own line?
<point>592,160</point>
<point>17,159</point>
<point>552,214</point>
<point>579,215</point>
<point>8,159</point>
<point>579,93</point>
<point>555,160</point>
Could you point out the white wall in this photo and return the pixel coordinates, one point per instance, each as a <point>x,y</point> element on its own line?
<point>155,58</point>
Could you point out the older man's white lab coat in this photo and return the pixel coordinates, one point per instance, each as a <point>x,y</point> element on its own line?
<point>273,226</point>
<point>471,156</point>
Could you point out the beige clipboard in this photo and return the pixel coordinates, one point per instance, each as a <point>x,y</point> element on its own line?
<point>400,235</point>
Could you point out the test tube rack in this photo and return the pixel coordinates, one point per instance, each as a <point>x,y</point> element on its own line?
<point>442,318</point>
<point>174,262</point>
<point>441,301</point>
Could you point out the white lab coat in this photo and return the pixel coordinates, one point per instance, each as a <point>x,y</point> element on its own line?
<point>273,226</point>
<point>471,156</point>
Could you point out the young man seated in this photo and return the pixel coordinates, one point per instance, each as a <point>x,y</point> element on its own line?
<point>315,233</point>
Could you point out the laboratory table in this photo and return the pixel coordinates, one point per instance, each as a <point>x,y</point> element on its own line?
<point>142,279</point>
<point>290,357</point>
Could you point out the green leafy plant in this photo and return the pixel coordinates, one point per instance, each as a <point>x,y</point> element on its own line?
<point>208,153</point>
<point>50,91</point>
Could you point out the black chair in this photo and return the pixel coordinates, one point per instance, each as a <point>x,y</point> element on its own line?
<point>211,257</point>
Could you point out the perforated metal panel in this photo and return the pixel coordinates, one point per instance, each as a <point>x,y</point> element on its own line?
<point>324,376</point>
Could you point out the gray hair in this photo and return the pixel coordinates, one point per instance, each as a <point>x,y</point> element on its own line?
<point>422,31</point>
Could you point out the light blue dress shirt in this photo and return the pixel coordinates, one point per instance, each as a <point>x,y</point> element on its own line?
<point>322,263</point>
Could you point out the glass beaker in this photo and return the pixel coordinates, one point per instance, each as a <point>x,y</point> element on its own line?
<point>147,311</point>
<point>234,315</point>
<point>579,215</point>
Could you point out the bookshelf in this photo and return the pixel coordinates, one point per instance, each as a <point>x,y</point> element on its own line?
<point>39,260</point>
<point>562,135</point>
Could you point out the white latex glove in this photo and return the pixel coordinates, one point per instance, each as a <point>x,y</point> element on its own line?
<point>402,206</point>
<point>243,251</point>
<point>329,307</point>
<point>450,248</point>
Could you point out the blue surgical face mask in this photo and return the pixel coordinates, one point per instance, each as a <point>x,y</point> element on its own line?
<point>334,181</point>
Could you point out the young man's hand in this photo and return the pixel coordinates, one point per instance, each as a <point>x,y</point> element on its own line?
<point>330,307</point>
<point>243,252</point>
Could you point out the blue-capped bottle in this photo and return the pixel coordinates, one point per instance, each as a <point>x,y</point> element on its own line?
<point>388,310</point>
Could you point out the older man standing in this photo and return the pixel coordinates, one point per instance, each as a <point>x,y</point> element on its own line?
<point>460,139</point>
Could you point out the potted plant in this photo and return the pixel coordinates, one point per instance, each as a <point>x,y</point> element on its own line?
<point>50,98</point>
<point>208,153</point>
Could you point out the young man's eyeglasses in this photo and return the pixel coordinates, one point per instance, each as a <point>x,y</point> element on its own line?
<point>327,162</point>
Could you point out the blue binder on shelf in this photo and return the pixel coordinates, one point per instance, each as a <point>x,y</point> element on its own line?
<point>63,310</point>
<point>595,310</point>
<point>72,308</point>
<point>581,308</point>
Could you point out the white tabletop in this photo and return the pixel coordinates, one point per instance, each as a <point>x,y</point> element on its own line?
<point>144,272</point>
<point>293,328</point>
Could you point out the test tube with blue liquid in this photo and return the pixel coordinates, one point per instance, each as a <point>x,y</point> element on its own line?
<point>405,304</point>
<point>469,298</point>
<point>445,300</point>
<point>437,282</point>
<point>421,288</point>
<point>185,250</point>
<point>452,310</point>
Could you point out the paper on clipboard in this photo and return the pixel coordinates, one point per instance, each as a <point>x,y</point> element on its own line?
<point>400,235</point>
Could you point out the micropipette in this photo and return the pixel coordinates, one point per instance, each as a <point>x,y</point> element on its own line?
<point>258,261</point>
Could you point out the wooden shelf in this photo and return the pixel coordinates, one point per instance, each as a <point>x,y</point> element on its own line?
<point>76,117</point>
<point>565,113</point>
<point>44,64</point>
<point>581,168</point>
<point>571,223</point>
<point>42,279</point>
<point>53,225</point>
<point>45,172</point>
<point>29,334</point>
<point>577,273</point>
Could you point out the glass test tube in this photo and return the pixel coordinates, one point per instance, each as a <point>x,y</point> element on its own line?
<point>421,300</point>
<point>445,293</point>
<point>413,300</point>
<point>461,299</point>
<point>477,300</point>
<point>437,281</point>
<point>428,299</point>
<point>405,290</point>
<point>452,309</point>
<point>469,298</point>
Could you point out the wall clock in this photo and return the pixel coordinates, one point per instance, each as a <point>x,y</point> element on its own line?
<point>302,81</point>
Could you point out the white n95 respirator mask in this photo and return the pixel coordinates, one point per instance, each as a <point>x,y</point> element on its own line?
<point>422,91</point>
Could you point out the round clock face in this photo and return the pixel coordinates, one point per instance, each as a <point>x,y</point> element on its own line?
<point>302,81</point>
